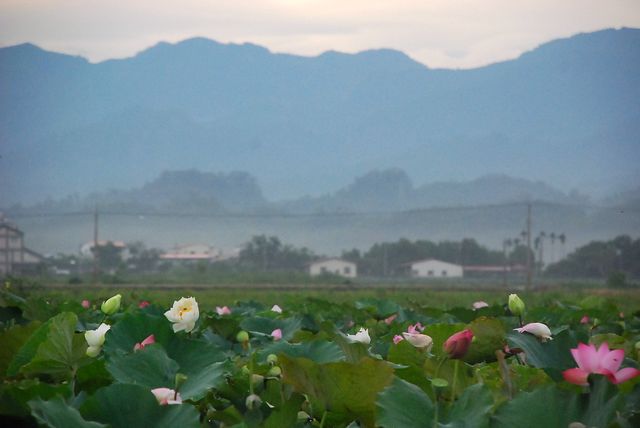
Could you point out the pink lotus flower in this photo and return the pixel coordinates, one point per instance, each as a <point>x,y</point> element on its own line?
<point>541,331</point>
<point>223,310</point>
<point>86,304</point>
<point>479,305</point>
<point>584,320</point>
<point>416,328</point>
<point>276,308</point>
<point>143,304</point>
<point>458,344</point>
<point>598,361</point>
<point>390,319</point>
<point>151,339</point>
<point>397,339</point>
<point>166,396</point>
<point>276,334</point>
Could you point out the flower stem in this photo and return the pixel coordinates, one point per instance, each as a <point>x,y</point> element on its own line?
<point>324,415</point>
<point>455,379</point>
<point>250,368</point>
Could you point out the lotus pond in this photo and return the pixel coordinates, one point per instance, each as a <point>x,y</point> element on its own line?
<point>310,362</point>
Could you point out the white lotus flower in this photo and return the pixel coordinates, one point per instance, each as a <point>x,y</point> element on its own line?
<point>361,336</point>
<point>95,339</point>
<point>419,340</point>
<point>183,314</point>
<point>537,329</point>
<point>166,396</point>
<point>276,308</point>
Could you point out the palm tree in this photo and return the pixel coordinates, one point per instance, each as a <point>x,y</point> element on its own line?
<point>563,238</point>
<point>552,236</point>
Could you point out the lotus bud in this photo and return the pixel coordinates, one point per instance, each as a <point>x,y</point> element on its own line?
<point>179,380</point>
<point>111,305</point>
<point>86,304</point>
<point>516,305</point>
<point>253,402</point>
<point>458,344</point>
<point>276,334</point>
<point>242,336</point>
<point>274,371</point>
<point>304,417</point>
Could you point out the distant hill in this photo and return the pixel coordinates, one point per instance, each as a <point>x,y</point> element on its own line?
<point>566,113</point>
<point>384,191</point>
<point>176,192</point>
<point>392,190</point>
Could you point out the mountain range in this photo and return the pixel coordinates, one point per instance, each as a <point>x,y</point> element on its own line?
<point>383,191</point>
<point>565,113</point>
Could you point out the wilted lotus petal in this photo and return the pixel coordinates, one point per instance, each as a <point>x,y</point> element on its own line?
<point>361,336</point>
<point>419,340</point>
<point>538,329</point>
<point>479,305</point>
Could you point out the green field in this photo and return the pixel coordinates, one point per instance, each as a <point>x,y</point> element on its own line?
<point>434,296</point>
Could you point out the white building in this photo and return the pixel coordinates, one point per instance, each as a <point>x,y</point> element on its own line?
<point>334,266</point>
<point>191,252</point>
<point>432,268</point>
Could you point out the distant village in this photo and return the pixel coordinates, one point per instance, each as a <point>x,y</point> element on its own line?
<point>112,255</point>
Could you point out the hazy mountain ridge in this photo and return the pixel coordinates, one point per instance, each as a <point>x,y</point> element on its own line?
<point>391,190</point>
<point>566,112</point>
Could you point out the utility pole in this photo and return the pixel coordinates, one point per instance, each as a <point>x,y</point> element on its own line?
<point>528,286</point>
<point>96,261</point>
<point>504,264</point>
<point>385,262</point>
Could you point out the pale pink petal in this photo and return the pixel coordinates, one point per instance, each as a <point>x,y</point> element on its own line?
<point>602,352</point>
<point>397,339</point>
<point>480,304</point>
<point>584,320</point>
<point>276,334</point>
<point>587,357</point>
<point>390,319</point>
<point>86,304</point>
<point>624,375</point>
<point>151,339</point>
<point>576,376</point>
<point>612,360</point>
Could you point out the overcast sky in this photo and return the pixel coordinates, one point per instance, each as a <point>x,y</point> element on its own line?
<point>439,33</point>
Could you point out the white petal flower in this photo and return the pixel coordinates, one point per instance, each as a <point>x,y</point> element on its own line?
<point>361,336</point>
<point>166,396</point>
<point>276,308</point>
<point>537,329</point>
<point>95,339</point>
<point>183,314</point>
<point>419,340</point>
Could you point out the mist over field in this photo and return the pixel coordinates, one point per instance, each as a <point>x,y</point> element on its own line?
<point>200,141</point>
